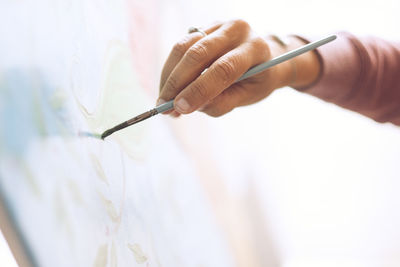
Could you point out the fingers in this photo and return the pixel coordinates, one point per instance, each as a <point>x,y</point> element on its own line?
<point>221,75</point>
<point>200,55</point>
<point>180,49</point>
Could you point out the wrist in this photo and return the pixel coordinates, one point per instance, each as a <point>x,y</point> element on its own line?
<point>300,71</point>
<point>284,72</point>
<point>308,64</point>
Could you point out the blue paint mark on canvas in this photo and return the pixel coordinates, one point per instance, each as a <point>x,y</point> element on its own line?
<point>27,110</point>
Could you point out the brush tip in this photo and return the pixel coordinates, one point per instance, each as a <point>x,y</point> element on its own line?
<point>106,133</point>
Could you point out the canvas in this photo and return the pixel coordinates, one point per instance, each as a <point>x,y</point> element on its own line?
<point>149,195</point>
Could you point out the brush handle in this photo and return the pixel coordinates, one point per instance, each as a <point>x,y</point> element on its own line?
<point>165,107</point>
<point>263,66</point>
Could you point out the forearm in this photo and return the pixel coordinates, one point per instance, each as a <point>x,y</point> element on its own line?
<point>360,74</point>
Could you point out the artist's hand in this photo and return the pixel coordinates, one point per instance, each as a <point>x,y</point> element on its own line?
<point>228,51</point>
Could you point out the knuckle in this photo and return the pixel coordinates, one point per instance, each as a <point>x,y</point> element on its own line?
<point>171,85</point>
<point>197,53</point>
<point>236,30</point>
<point>162,81</point>
<point>261,46</point>
<point>260,43</point>
<point>180,48</point>
<point>199,91</point>
<point>225,70</point>
<point>241,24</point>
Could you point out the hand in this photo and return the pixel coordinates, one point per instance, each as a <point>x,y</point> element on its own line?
<point>227,52</point>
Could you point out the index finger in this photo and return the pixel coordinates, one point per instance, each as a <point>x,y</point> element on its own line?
<point>219,76</point>
<point>180,49</point>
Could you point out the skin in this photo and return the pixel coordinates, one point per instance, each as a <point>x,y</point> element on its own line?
<point>228,51</point>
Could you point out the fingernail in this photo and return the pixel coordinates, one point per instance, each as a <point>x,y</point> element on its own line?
<point>160,101</point>
<point>182,105</point>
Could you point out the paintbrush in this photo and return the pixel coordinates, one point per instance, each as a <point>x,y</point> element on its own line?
<point>255,70</point>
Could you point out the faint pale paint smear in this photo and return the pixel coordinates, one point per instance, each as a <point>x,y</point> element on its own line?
<point>99,169</point>
<point>110,208</point>
<point>61,212</point>
<point>144,39</point>
<point>75,192</point>
<point>122,97</point>
<point>58,99</point>
<point>113,256</point>
<point>101,256</point>
<point>31,179</point>
<point>137,252</point>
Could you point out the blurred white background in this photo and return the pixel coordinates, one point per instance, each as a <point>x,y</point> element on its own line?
<point>332,177</point>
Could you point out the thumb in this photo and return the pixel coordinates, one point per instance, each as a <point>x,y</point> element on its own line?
<point>230,98</point>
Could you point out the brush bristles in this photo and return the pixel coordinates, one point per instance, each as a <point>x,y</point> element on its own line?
<point>107,133</point>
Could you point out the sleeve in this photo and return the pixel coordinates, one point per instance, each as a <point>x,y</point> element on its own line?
<point>360,74</point>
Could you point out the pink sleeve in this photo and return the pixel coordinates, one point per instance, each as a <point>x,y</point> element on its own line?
<point>360,74</point>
